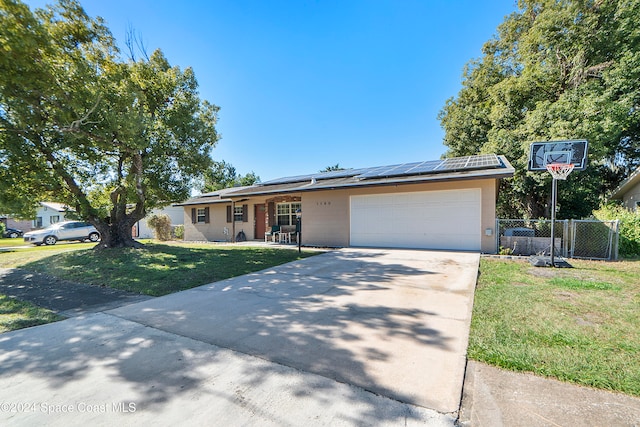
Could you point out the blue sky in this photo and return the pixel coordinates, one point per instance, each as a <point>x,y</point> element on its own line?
<point>307,84</point>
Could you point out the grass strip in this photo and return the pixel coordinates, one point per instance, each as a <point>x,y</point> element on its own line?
<point>580,325</point>
<point>16,314</point>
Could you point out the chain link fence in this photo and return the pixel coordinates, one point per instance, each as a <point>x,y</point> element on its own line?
<point>590,239</point>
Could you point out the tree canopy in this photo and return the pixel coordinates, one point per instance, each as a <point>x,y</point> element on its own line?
<point>557,69</point>
<point>111,137</point>
<point>333,168</point>
<point>223,175</point>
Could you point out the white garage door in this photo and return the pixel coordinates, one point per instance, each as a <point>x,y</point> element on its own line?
<point>429,220</point>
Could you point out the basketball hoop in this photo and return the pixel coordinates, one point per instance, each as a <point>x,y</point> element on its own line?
<point>560,170</point>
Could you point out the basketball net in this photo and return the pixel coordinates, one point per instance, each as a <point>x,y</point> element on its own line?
<point>560,170</point>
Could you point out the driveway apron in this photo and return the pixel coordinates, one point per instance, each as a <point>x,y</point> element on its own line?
<point>392,323</point>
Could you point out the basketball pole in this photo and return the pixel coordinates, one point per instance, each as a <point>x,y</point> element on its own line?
<point>554,196</point>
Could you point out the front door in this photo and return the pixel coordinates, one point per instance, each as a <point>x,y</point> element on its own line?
<point>260,227</point>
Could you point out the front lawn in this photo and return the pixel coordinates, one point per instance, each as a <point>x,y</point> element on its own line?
<point>159,269</point>
<point>16,314</point>
<point>580,325</point>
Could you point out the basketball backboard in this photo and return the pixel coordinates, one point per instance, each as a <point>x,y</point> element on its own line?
<point>543,153</point>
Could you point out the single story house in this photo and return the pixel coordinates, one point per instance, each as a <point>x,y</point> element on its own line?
<point>629,192</point>
<point>445,204</point>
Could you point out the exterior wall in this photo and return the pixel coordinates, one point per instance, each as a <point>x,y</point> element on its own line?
<point>325,214</point>
<point>19,224</point>
<point>325,218</point>
<point>176,213</point>
<point>214,231</point>
<point>46,214</point>
<point>632,197</point>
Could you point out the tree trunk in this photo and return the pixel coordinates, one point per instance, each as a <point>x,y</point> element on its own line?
<point>117,235</point>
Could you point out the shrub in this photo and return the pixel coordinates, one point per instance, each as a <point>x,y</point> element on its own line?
<point>2,228</point>
<point>178,231</point>
<point>629,243</point>
<point>161,225</point>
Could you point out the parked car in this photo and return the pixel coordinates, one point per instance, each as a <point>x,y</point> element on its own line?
<point>67,230</point>
<point>12,233</point>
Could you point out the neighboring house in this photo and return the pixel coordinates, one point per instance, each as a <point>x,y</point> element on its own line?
<point>442,204</point>
<point>12,222</point>
<point>49,213</point>
<point>629,192</point>
<point>142,231</point>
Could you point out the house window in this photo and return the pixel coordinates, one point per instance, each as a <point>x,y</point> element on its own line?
<point>54,218</point>
<point>238,213</point>
<point>201,215</point>
<point>37,223</point>
<point>286,213</point>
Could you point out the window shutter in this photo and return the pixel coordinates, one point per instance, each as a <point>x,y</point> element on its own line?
<point>206,215</point>
<point>193,216</point>
<point>245,213</point>
<point>229,214</point>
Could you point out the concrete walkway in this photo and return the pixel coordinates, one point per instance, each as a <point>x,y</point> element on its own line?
<point>351,337</point>
<point>496,397</point>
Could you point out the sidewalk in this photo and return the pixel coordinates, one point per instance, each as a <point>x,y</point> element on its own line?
<point>494,397</point>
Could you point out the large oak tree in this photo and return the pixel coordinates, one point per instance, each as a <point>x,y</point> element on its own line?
<point>556,69</point>
<point>112,137</point>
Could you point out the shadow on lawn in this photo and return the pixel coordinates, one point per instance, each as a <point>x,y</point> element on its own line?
<point>312,322</point>
<point>160,269</point>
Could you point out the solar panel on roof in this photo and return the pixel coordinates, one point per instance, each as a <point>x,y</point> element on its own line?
<point>433,166</point>
<point>484,161</point>
<point>470,162</point>
<point>425,167</point>
<point>318,176</point>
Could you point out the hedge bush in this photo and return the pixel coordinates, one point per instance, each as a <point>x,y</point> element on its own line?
<point>629,243</point>
<point>161,225</point>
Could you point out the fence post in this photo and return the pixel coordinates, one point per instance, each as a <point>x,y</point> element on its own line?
<point>498,236</point>
<point>616,227</point>
<point>565,238</point>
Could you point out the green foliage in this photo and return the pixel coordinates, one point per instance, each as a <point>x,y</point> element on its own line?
<point>335,167</point>
<point>555,70</point>
<point>223,175</point>
<point>112,138</point>
<point>2,228</point>
<point>629,241</point>
<point>178,231</point>
<point>161,225</point>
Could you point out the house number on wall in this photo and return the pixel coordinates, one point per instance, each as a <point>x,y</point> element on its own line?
<point>323,203</point>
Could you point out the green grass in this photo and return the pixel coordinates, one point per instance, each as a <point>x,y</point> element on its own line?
<point>580,325</point>
<point>159,269</point>
<point>6,242</point>
<point>16,314</point>
<point>10,258</point>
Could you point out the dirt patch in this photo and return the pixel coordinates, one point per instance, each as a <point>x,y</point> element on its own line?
<point>565,296</point>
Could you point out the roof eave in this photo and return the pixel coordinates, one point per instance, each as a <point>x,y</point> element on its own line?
<point>633,179</point>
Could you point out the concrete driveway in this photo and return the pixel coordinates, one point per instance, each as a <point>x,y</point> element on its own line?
<point>350,337</point>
